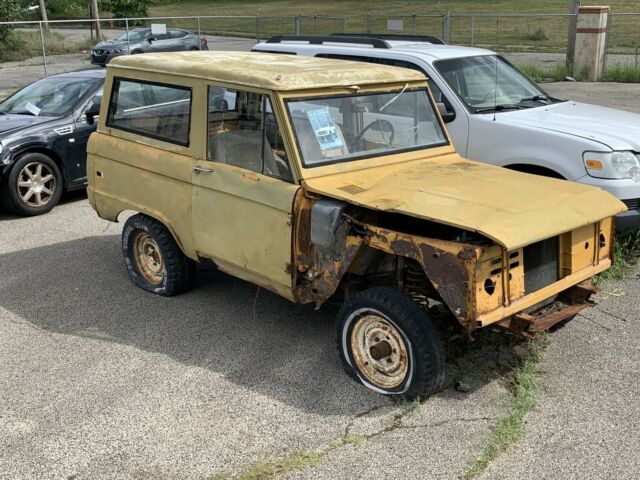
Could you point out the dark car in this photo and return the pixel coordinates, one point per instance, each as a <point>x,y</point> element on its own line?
<point>44,129</point>
<point>142,40</point>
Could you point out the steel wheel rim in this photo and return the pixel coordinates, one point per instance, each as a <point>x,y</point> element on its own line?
<point>148,258</point>
<point>36,184</point>
<point>379,351</point>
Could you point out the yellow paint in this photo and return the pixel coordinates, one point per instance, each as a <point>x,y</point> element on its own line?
<point>511,208</point>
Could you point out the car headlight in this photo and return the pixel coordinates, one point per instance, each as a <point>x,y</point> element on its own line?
<point>612,165</point>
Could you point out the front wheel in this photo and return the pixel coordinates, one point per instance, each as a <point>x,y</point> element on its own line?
<point>154,260</point>
<point>388,343</point>
<point>34,185</point>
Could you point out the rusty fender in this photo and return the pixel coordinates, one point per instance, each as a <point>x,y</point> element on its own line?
<point>449,266</point>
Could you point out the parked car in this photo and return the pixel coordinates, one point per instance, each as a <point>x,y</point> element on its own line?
<point>496,114</point>
<point>142,40</point>
<point>44,129</point>
<point>312,176</point>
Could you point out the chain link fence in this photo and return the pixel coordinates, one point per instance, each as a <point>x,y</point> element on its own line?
<point>623,41</point>
<point>37,49</point>
<point>536,43</point>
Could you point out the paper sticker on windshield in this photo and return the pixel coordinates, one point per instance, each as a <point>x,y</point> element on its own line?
<point>31,108</point>
<point>324,129</point>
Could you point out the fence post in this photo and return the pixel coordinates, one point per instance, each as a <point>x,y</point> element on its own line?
<point>606,46</point>
<point>258,28</point>
<point>473,29</point>
<point>368,23</point>
<point>344,24</point>
<point>573,21</point>
<point>315,24</point>
<point>413,23</point>
<point>446,27</point>
<point>199,35</point>
<point>297,25</point>
<point>44,53</point>
<point>126,26</point>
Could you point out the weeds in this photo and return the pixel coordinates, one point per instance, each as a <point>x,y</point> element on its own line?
<point>625,255</point>
<point>538,74</point>
<point>21,45</point>
<point>274,468</point>
<point>623,74</point>
<point>510,428</point>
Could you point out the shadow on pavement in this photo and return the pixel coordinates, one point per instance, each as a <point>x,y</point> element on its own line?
<point>253,337</point>
<point>67,197</point>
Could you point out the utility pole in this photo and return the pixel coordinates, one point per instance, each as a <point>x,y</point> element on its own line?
<point>574,5</point>
<point>43,14</point>
<point>95,15</point>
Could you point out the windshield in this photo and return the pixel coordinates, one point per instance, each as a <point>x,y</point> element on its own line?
<point>134,35</point>
<point>344,128</point>
<point>49,97</point>
<point>489,82</point>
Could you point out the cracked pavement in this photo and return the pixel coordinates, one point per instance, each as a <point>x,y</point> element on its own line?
<point>99,379</point>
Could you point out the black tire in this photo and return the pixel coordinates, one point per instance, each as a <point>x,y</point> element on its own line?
<point>14,197</point>
<point>177,272</point>
<point>424,348</point>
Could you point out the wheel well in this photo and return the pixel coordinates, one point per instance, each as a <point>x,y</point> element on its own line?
<point>49,153</point>
<point>535,170</point>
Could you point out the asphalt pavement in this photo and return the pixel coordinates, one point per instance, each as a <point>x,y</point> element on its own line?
<point>99,379</point>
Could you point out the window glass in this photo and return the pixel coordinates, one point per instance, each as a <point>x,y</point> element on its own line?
<point>156,111</point>
<point>177,33</point>
<point>243,132</point>
<point>49,97</point>
<point>347,127</point>
<point>489,82</point>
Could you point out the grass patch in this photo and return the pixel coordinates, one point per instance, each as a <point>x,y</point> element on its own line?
<point>274,468</point>
<point>22,44</point>
<point>625,256</point>
<point>555,74</point>
<point>623,74</point>
<point>510,427</point>
<point>353,439</point>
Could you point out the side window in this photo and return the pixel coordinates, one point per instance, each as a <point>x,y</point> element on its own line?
<point>243,132</point>
<point>177,33</point>
<point>153,110</point>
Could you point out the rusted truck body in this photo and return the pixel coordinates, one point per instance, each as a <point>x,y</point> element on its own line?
<point>321,179</point>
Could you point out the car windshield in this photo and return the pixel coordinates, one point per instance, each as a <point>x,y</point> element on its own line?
<point>348,127</point>
<point>134,35</point>
<point>49,97</point>
<point>489,83</point>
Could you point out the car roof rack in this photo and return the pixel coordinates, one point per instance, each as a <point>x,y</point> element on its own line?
<point>395,36</point>
<point>320,39</point>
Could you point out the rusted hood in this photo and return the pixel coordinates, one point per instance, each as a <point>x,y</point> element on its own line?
<point>512,208</point>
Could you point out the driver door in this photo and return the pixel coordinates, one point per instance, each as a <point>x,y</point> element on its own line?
<point>243,192</point>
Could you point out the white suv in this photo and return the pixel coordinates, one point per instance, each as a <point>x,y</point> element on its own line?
<point>495,114</point>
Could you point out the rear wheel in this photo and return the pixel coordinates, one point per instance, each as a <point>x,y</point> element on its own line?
<point>34,185</point>
<point>154,260</point>
<point>388,343</point>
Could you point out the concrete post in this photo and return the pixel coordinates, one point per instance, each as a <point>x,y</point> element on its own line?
<point>591,34</point>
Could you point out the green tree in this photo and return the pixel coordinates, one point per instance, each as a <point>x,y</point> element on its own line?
<point>9,12</point>
<point>126,8</point>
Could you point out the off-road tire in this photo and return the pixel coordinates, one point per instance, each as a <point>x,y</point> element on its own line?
<point>179,271</point>
<point>10,195</point>
<point>425,374</point>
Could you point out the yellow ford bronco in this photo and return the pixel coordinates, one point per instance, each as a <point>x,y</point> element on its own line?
<point>317,178</point>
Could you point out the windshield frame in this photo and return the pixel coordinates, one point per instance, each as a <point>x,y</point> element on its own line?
<point>474,110</point>
<point>364,156</point>
<point>91,81</point>
<point>127,36</point>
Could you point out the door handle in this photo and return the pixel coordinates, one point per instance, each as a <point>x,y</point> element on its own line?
<point>199,169</point>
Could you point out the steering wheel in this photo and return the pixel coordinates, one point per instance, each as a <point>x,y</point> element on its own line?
<point>389,126</point>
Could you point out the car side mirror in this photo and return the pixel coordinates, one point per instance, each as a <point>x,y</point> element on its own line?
<point>447,115</point>
<point>151,39</point>
<point>92,112</point>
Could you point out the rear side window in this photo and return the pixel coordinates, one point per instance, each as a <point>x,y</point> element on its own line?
<point>151,109</point>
